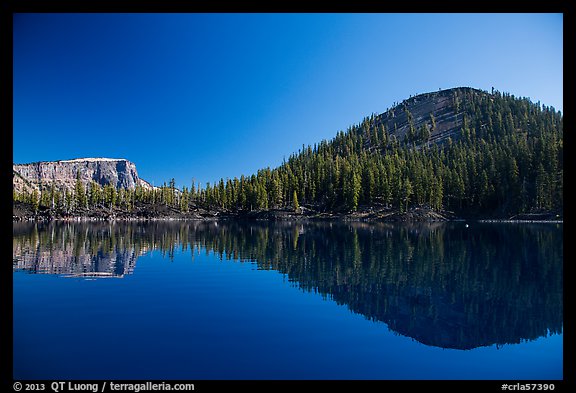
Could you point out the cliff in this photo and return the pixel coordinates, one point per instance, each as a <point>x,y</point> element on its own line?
<point>120,173</point>
<point>446,106</point>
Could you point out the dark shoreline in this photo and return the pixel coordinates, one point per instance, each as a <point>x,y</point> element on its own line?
<point>25,212</point>
<point>89,219</point>
<point>294,218</point>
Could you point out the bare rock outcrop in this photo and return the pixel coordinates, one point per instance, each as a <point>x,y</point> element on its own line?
<point>444,105</point>
<point>119,173</point>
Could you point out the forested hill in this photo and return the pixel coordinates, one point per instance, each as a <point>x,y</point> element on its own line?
<point>460,152</point>
<point>462,149</point>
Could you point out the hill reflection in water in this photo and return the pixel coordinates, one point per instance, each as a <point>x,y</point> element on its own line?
<point>443,285</point>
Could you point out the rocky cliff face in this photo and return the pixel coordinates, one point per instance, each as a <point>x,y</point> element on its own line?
<point>445,105</point>
<point>120,173</point>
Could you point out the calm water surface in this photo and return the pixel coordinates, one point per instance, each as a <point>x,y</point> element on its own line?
<point>287,301</point>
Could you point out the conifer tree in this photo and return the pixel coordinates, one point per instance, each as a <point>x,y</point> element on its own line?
<point>295,203</point>
<point>80,193</point>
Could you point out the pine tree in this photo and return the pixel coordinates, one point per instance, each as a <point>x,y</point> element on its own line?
<point>52,196</point>
<point>184,200</point>
<point>295,203</point>
<point>95,193</point>
<point>110,196</point>
<point>407,191</point>
<point>436,194</point>
<point>80,193</point>
<point>352,189</point>
<point>44,197</point>
<point>68,201</point>
<point>35,200</point>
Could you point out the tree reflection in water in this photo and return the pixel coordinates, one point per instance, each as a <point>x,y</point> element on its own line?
<point>442,284</point>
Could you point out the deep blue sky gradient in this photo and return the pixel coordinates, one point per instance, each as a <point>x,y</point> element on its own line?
<point>206,96</point>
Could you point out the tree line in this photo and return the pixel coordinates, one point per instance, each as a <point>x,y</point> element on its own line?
<point>506,158</point>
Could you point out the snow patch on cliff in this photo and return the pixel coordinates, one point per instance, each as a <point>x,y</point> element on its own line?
<point>93,159</point>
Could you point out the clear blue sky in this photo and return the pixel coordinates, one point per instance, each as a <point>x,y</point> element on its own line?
<point>206,96</point>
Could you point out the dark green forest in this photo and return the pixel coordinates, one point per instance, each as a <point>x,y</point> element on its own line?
<point>505,157</point>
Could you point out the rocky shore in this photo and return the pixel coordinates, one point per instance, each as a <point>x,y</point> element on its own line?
<point>148,212</point>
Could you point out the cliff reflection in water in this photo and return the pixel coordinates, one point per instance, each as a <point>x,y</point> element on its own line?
<point>441,284</point>
<point>95,250</point>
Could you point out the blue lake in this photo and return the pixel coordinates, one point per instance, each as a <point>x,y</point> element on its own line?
<point>217,300</point>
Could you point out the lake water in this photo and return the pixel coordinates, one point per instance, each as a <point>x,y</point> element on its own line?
<point>216,300</point>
